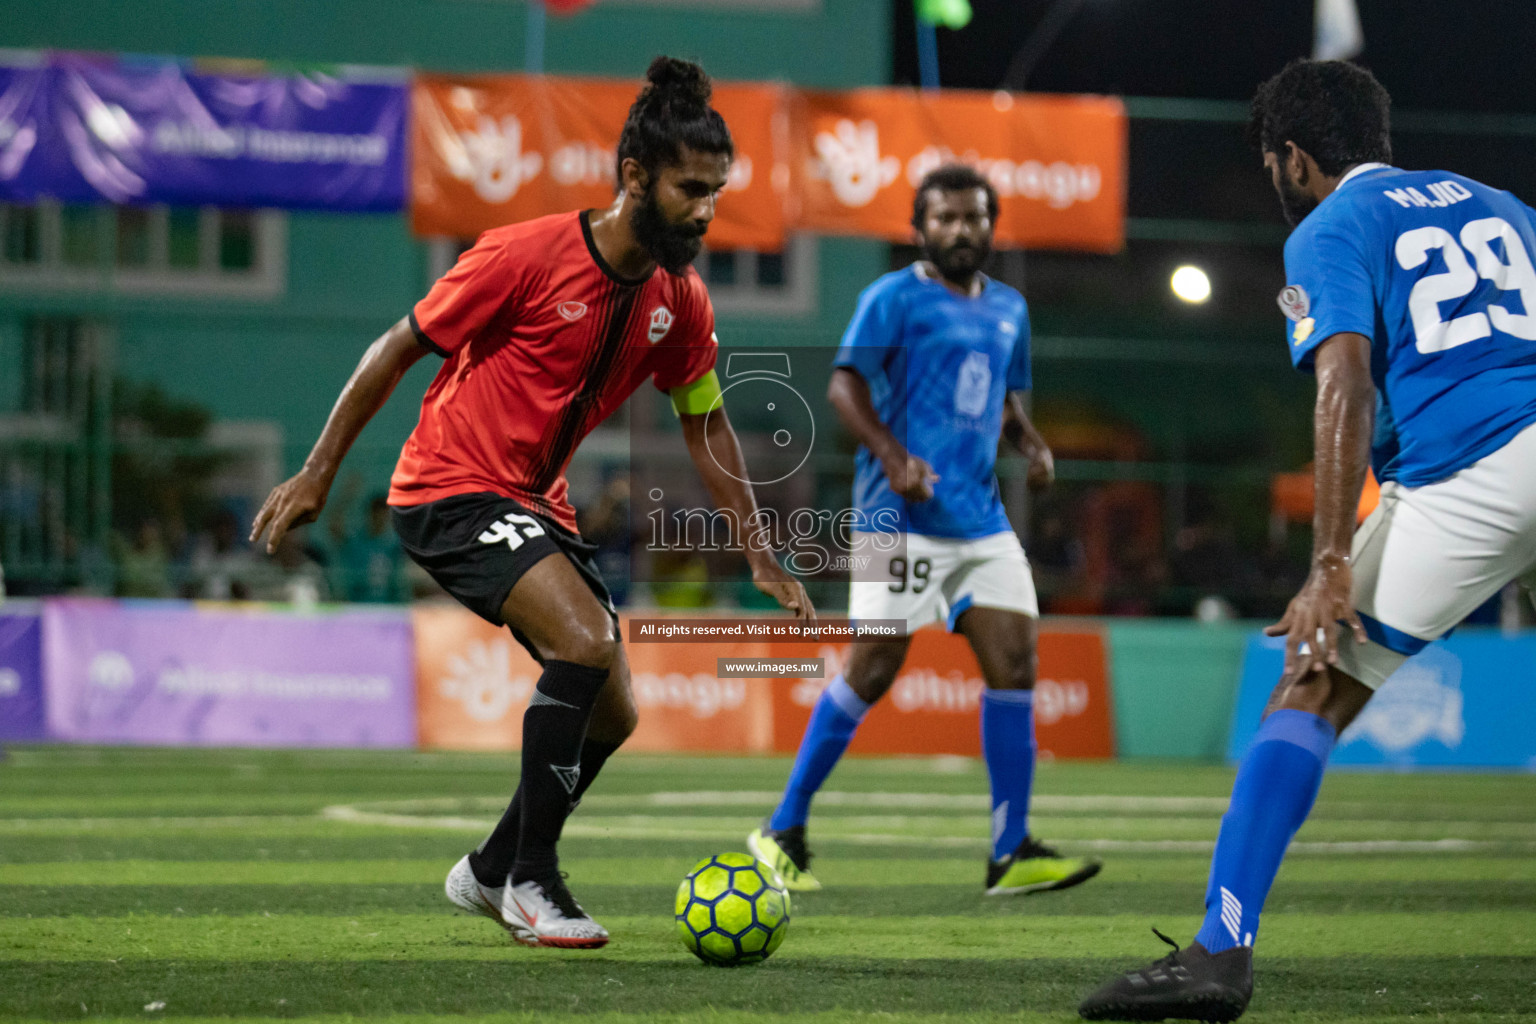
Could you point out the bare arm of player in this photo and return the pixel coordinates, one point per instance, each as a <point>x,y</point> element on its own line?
<point>1341,430</point>
<point>717,455</point>
<point>910,476</point>
<point>300,498</point>
<point>1021,433</point>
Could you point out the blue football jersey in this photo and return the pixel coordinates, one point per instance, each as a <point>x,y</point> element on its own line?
<point>1436,270</point>
<point>939,366</point>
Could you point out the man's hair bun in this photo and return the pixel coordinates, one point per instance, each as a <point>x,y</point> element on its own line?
<point>671,111</point>
<point>681,79</point>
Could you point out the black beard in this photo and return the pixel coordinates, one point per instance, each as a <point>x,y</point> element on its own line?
<point>1294,202</point>
<point>672,246</point>
<point>958,264</point>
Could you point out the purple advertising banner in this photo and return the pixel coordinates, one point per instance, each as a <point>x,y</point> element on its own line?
<point>150,131</point>
<point>173,673</point>
<point>23,123</point>
<point>21,676</point>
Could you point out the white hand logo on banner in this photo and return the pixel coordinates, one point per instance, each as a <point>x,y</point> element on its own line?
<point>493,159</point>
<point>850,159</point>
<point>481,680</point>
<point>1422,701</point>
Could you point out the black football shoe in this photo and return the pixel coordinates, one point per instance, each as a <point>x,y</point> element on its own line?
<point>1187,984</point>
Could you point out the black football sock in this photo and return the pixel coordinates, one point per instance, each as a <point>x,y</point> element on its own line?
<point>492,862</point>
<point>554,728</point>
<point>594,754</point>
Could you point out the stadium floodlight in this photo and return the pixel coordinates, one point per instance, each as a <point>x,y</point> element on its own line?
<point>1190,284</point>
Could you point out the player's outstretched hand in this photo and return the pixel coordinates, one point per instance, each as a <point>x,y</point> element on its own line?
<point>910,477</point>
<point>294,502</point>
<point>1310,622</point>
<point>785,589</point>
<point>1042,469</point>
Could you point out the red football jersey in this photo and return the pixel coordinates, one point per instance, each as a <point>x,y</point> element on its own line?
<point>542,342</point>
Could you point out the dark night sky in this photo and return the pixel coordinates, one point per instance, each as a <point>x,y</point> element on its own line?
<point>1473,55</point>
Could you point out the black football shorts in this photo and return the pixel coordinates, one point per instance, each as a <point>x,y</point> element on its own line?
<point>477,546</point>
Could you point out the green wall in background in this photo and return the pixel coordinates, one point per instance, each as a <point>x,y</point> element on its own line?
<point>350,276</point>
<point>828,44</point>
<point>1175,685</point>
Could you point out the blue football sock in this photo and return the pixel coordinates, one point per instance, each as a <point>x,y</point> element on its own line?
<point>833,721</point>
<point>1008,746</point>
<point>1276,784</point>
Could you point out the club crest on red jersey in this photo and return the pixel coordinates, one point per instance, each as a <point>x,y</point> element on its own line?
<point>661,323</point>
<point>572,311</point>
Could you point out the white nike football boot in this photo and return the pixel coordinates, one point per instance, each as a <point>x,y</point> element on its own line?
<point>546,914</point>
<point>467,893</point>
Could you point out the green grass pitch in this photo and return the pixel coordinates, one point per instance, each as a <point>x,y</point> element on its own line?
<point>256,885</point>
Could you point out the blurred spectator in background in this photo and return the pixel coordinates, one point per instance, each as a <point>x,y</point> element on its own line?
<point>681,580</point>
<point>1055,556</point>
<point>1208,571</point>
<point>1122,531</point>
<point>606,524</point>
<point>143,568</point>
<point>300,574</point>
<point>369,566</point>
<point>223,564</point>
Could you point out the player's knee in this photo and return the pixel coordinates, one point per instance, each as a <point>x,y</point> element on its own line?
<point>590,644</point>
<point>870,689</point>
<point>872,679</point>
<point>1018,674</point>
<point>1309,694</point>
<point>1331,695</point>
<point>628,722</point>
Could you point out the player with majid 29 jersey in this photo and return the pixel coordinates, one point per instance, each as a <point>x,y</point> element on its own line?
<point>545,329</point>
<point>1412,297</point>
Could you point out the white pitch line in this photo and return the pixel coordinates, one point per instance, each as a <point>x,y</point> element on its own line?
<point>638,827</point>
<point>837,798</point>
<point>942,801</point>
<point>353,815</point>
<point>156,821</point>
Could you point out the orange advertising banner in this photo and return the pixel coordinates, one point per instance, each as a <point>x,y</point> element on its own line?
<point>932,707</point>
<point>1057,162</point>
<point>473,682</point>
<point>489,150</point>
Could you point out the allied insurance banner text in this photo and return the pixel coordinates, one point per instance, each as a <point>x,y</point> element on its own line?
<point>83,128</point>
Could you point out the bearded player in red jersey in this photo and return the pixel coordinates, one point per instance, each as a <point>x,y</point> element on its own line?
<point>545,329</point>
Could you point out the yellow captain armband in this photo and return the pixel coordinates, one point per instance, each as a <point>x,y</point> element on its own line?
<point>697,398</point>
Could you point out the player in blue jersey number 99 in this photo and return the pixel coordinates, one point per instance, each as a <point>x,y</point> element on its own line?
<point>927,379</point>
<point>1411,296</point>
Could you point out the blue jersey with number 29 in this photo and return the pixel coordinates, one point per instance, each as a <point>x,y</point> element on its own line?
<point>1436,270</point>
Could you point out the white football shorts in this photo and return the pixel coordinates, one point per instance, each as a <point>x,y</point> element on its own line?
<point>924,579</point>
<point>1428,556</point>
